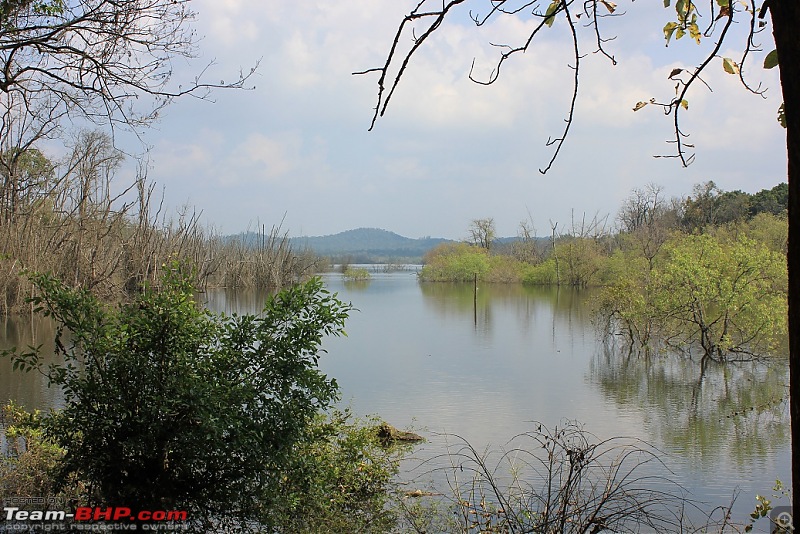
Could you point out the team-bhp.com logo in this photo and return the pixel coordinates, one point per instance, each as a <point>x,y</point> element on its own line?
<point>120,513</point>
<point>94,518</point>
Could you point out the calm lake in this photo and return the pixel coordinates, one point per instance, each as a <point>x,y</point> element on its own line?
<point>422,355</point>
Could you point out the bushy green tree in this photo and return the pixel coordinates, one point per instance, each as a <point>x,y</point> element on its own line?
<point>774,201</point>
<point>169,406</point>
<point>457,262</point>
<point>726,295</point>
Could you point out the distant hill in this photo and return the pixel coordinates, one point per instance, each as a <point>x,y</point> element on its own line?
<point>368,245</point>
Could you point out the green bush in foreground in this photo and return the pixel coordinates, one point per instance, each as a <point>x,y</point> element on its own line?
<point>339,479</point>
<point>169,406</point>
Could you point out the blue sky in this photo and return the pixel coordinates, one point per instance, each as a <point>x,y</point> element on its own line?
<point>448,150</point>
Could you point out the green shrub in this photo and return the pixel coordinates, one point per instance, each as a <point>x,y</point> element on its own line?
<point>356,274</point>
<point>457,262</point>
<point>504,269</point>
<point>340,479</point>
<point>169,406</point>
<point>621,265</point>
<point>541,274</point>
<point>30,460</point>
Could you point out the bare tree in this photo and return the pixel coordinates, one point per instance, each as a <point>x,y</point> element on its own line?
<point>95,59</point>
<point>641,208</point>
<point>647,220</point>
<point>526,247</point>
<point>482,233</point>
<point>22,125</point>
<point>580,249</point>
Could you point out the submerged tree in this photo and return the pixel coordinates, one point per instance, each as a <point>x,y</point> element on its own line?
<point>726,295</point>
<point>721,16</point>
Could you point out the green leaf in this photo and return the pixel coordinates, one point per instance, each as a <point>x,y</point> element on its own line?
<point>669,29</point>
<point>685,104</point>
<point>782,116</point>
<point>730,66</point>
<point>550,13</point>
<point>771,61</point>
<point>666,3</point>
<point>683,8</point>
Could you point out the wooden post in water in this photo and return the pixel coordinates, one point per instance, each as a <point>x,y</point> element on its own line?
<point>475,300</point>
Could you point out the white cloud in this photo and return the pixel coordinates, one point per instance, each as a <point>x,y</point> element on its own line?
<point>229,22</point>
<point>262,158</point>
<point>448,149</point>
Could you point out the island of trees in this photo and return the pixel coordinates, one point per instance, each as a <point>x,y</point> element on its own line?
<point>709,268</point>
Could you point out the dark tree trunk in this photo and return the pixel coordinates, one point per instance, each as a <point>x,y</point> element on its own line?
<point>786,29</point>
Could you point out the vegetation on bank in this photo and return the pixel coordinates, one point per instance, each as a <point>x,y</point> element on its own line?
<point>170,406</point>
<point>710,268</point>
<point>73,219</point>
<point>597,253</point>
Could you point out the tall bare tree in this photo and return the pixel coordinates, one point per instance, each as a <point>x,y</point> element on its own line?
<point>482,233</point>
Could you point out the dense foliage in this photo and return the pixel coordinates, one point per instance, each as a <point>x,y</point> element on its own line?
<point>169,406</point>
<point>728,295</point>
<point>707,269</point>
<point>339,478</point>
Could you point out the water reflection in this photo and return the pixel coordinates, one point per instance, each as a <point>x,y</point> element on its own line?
<point>28,389</point>
<point>436,357</point>
<point>356,285</point>
<point>734,412</point>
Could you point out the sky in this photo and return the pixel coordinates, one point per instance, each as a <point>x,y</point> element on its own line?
<point>296,149</point>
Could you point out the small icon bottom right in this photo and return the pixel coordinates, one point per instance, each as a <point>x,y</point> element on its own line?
<point>781,517</point>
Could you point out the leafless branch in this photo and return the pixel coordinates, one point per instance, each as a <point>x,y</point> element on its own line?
<point>399,60</point>
<point>96,58</point>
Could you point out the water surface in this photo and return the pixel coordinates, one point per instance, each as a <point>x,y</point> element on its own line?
<point>436,358</point>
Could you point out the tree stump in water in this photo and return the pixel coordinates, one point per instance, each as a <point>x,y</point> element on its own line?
<point>389,435</point>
